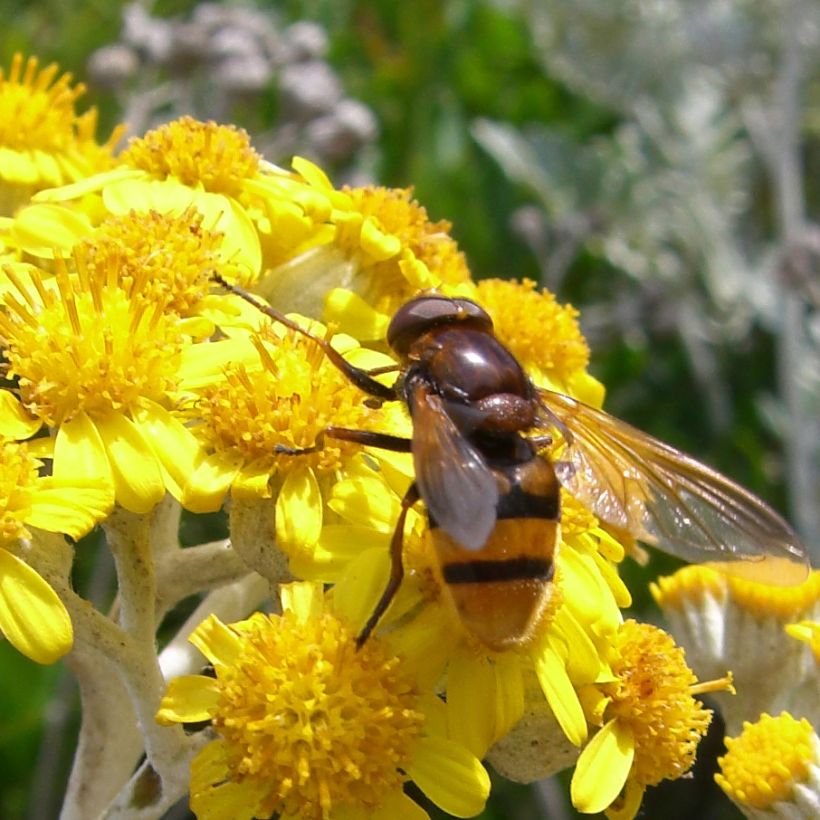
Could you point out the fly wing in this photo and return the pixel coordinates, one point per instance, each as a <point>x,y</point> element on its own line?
<point>668,499</point>
<point>453,478</point>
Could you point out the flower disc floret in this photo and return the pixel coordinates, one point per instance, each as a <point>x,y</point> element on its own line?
<point>163,259</point>
<point>767,760</point>
<point>95,350</point>
<point>319,723</point>
<point>43,142</point>
<point>286,402</point>
<point>216,157</point>
<point>652,696</point>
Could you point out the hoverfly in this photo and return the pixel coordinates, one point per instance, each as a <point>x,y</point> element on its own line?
<point>492,498</point>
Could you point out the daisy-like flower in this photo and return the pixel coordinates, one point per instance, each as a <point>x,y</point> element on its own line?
<point>253,399</point>
<point>727,622</point>
<point>651,723</point>
<point>96,366</point>
<point>212,168</point>
<point>32,617</point>
<point>43,141</point>
<point>161,258</point>
<point>772,770</point>
<point>309,726</point>
<point>378,250</point>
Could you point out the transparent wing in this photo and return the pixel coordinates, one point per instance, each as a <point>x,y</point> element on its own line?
<point>455,482</point>
<point>668,499</point>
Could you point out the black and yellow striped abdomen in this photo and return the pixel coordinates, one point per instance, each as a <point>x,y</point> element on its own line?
<point>501,590</point>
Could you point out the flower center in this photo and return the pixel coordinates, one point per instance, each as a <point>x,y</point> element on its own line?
<point>85,347</point>
<point>767,760</point>
<point>37,113</point>
<point>156,257</point>
<point>297,394</point>
<point>652,695</point>
<point>302,708</point>
<point>217,157</point>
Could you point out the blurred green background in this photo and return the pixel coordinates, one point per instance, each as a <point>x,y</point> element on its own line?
<point>654,164</point>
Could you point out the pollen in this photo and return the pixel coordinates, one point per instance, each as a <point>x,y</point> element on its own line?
<point>80,346</point>
<point>288,405</point>
<point>764,764</point>
<point>313,722</point>
<point>542,334</point>
<point>18,476</point>
<point>653,697</point>
<point>157,258</point>
<point>217,157</point>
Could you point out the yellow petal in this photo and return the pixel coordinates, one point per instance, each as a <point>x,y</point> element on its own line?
<point>367,502</point>
<point>252,481</point>
<point>355,596</point>
<point>40,229</point>
<point>68,507</point>
<point>85,186</point>
<point>471,698</point>
<point>32,617</point>
<point>217,642</point>
<point>353,315</point>
<point>210,481</point>
<point>303,598</point>
<point>174,446</point>
<point>15,422</point>
<point>560,694</point>
<point>376,243</point>
<point>299,510</point>
<point>398,806</point>
<point>602,768</point>
<point>450,776</point>
<point>136,471</point>
<point>584,663</point>
<point>189,698</point>
<point>338,545</point>
<point>213,795</point>
<point>79,453</point>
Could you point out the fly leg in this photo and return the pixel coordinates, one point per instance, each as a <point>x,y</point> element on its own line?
<point>363,379</point>
<point>368,438</point>
<point>396,567</point>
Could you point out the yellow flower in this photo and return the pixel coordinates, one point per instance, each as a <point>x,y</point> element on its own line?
<point>32,617</point>
<point>250,396</point>
<point>203,165</point>
<point>727,622</point>
<point>161,258</point>
<point>379,249</point>
<point>652,724</point>
<point>95,366</point>
<point>772,769</point>
<point>43,141</point>
<point>310,726</point>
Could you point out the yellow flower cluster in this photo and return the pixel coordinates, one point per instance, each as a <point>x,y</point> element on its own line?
<point>134,382</point>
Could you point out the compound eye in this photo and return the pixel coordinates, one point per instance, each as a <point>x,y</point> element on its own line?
<point>422,314</point>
